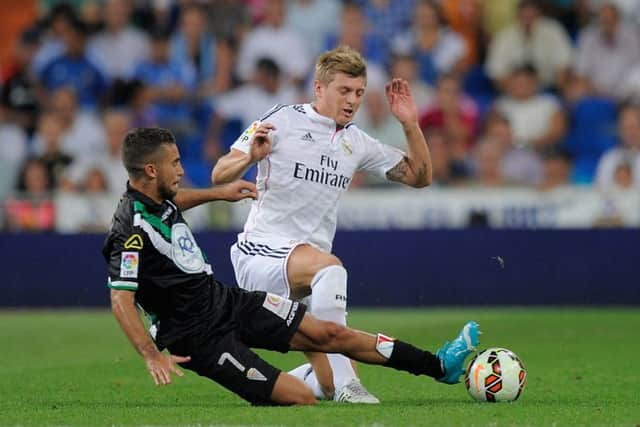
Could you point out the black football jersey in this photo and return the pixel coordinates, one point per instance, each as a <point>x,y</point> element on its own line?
<point>151,251</point>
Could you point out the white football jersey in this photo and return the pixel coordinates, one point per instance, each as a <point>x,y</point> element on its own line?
<point>310,166</point>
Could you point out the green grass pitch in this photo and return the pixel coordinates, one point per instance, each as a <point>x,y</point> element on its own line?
<point>76,368</point>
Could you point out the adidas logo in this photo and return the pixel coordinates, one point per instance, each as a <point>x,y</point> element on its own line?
<point>307,137</point>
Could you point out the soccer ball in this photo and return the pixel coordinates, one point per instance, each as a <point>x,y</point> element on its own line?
<point>495,375</point>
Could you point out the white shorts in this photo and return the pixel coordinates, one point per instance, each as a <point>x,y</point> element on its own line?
<point>260,266</point>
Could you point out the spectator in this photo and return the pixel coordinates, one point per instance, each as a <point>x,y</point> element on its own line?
<point>19,89</point>
<point>229,19</point>
<point>623,176</point>
<point>519,165</point>
<point>208,59</point>
<point>166,85</point>
<point>453,112</point>
<point>118,40</point>
<point>13,151</point>
<point>537,119</point>
<point>487,159</point>
<point>465,18</point>
<point>354,32</point>
<point>447,169</point>
<point>607,51</point>
<point>31,209</point>
<point>557,170</point>
<point>83,133</point>
<point>251,100</point>
<point>387,18</point>
<point>49,133</point>
<point>86,210</point>
<point>532,39</point>
<point>438,50</point>
<point>406,67</point>
<point>74,69</point>
<point>116,125</point>
<point>628,152</point>
<point>52,44</point>
<point>314,20</point>
<point>276,41</point>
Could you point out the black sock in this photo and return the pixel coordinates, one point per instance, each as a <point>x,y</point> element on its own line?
<point>408,358</point>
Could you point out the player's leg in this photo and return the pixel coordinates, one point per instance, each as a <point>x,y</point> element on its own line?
<point>229,362</point>
<point>446,365</point>
<point>289,390</point>
<point>259,266</point>
<point>323,273</point>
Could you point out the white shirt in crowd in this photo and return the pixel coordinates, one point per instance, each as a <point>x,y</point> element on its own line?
<point>530,119</point>
<point>310,166</point>
<point>129,46</point>
<point>250,101</point>
<point>548,48</point>
<point>282,45</point>
<point>85,138</point>
<point>606,64</point>
<point>609,162</point>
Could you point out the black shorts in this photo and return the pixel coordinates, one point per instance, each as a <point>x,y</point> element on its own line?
<point>223,354</point>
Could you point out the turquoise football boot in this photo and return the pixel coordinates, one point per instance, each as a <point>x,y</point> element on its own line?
<point>452,354</point>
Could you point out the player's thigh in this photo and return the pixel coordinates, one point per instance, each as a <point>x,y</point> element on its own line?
<point>229,362</point>
<point>259,270</point>
<point>303,264</point>
<point>267,320</point>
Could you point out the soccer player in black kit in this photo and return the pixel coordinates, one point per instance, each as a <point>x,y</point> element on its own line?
<point>155,264</point>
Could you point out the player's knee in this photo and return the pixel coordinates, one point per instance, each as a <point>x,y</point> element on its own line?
<point>305,397</point>
<point>331,337</point>
<point>324,260</point>
<point>329,290</point>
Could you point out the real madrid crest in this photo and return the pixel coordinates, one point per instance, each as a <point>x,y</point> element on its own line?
<point>347,147</point>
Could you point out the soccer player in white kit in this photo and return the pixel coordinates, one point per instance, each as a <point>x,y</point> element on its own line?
<point>307,155</point>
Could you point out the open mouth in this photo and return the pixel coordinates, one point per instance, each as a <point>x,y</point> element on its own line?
<point>347,112</point>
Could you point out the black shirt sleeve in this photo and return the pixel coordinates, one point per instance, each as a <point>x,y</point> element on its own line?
<point>124,257</point>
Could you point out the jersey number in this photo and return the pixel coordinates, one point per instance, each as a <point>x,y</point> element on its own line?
<point>227,356</point>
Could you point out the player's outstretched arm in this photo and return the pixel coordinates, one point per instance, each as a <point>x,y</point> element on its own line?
<point>188,198</point>
<point>160,366</point>
<point>415,168</point>
<point>234,164</point>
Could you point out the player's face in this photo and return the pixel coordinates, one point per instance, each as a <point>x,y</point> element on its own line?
<point>341,98</point>
<point>169,171</point>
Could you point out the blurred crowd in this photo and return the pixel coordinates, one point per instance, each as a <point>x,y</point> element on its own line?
<point>531,93</point>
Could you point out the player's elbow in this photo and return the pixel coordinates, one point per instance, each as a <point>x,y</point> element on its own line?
<point>218,176</point>
<point>119,299</point>
<point>422,182</point>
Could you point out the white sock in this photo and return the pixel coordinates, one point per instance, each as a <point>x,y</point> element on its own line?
<point>307,375</point>
<point>329,302</point>
<point>301,371</point>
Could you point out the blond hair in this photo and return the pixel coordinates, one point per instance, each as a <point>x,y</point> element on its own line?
<point>342,59</point>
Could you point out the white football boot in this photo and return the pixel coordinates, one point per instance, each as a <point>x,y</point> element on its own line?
<point>354,392</point>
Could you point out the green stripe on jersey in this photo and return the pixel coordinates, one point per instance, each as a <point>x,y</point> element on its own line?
<point>155,221</point>
<point>122,285</point>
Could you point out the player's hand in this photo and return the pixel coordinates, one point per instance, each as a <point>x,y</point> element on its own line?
<point>401,101</point>
<point>238,190</point>
<point>261,143</point>
<point>161,366</point>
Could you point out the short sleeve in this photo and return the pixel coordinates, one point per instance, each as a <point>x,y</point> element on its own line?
<point>124,261</point>
<point>378,158</point>
<point>243,143</point>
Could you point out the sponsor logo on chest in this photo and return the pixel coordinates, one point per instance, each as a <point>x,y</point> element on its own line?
<point>184,250</point>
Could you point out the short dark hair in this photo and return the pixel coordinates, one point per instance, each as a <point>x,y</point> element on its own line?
<point>140,144</point>
<point>269,67</point>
